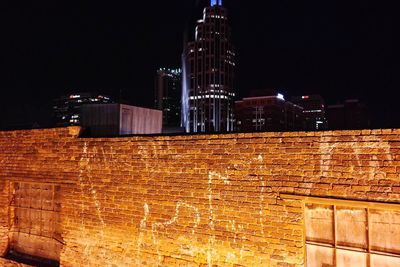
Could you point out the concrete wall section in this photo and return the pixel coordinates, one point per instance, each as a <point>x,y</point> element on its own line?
<point>193,200</point>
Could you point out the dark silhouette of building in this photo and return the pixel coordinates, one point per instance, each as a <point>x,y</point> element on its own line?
<point>350,115</point>
<point>168,90</point>
<point>67,109</point>
<point>268,111</point>
<point>313,110</point>
<point>208,70</point>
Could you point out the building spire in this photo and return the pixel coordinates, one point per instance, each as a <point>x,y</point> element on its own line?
<point>216,2</point>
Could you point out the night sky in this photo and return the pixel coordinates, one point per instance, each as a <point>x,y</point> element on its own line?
<point>339,49</point>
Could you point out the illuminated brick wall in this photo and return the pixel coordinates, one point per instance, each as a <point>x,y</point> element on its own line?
<point>189,200</point>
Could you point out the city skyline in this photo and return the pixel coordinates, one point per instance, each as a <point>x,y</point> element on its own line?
<point>334,49</point>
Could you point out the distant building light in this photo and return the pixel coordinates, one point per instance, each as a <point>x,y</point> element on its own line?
<point>281,97</point>
<point>216,2</point>
<point>312,111</point>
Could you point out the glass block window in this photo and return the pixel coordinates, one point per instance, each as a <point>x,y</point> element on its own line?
<point>350,233</point>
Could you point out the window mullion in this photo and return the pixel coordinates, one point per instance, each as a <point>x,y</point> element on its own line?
<point>334,235</point>
<point>368,239</point>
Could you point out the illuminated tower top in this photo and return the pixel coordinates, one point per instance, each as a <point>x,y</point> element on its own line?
<point>208,74</point>
<point>216,2</point>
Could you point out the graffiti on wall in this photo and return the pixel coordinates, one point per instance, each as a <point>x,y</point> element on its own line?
<point>364,158</point>
<point>151,231</point>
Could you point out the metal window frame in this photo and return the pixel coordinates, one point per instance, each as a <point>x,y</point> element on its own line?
<point>334,202</point>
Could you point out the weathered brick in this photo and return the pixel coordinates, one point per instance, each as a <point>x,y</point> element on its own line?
<point>193,200</point>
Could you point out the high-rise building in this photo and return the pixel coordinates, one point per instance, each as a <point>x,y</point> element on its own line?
<point>350,115</point>
<point>208,70</point>
<point>168,90</point>
<point>67,109</point>
<point>268,110</point>
<point>314,111</point>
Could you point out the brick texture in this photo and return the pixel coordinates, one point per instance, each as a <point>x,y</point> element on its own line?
<point>8,263</point>
<point>203,200</point>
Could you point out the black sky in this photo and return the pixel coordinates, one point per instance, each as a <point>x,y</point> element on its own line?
<point>340,49</point>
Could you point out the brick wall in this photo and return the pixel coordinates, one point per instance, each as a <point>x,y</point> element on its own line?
<point>193,200</point>
<point>4,207</point>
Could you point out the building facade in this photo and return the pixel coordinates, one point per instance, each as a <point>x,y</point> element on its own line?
<point>168,90</point>
<point>208,72</point>
<point>269,112</point>
<point>350,115</point>
<point>101,120</point>
<point>67,109</point>
<point>313,110</point>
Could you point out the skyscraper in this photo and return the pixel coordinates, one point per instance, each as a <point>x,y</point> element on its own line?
<point>208,70</point>
<point>167,95</point>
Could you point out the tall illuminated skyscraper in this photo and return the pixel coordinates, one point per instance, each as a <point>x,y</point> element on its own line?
<point>208,70</point>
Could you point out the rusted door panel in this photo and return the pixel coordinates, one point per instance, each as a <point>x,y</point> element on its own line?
<point>36,230</point>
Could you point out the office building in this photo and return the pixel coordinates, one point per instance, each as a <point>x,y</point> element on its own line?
<point>67,109</point>
<point>268,111</point>
<point>313,110</point>
<point>350,115</point>
<point>168,90</point>
<point>208,71</point>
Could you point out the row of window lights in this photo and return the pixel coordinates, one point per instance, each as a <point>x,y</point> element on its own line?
<point>209,32</point>
<point>230,62</point>
<point>200,49</point>
<point>260,120</point>
<point>209,97</point>
<point>312,111</point>
<point>208,39</point>
<point>79,96</point>
<point>216,17</point>
<point>212,121</point>
<point>173,71</point>
<point>220,91</point>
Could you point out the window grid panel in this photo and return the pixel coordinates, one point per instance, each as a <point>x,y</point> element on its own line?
<point>362,253</point>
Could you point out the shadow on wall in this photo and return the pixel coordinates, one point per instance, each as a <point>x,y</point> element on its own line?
<point>30,260</point>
